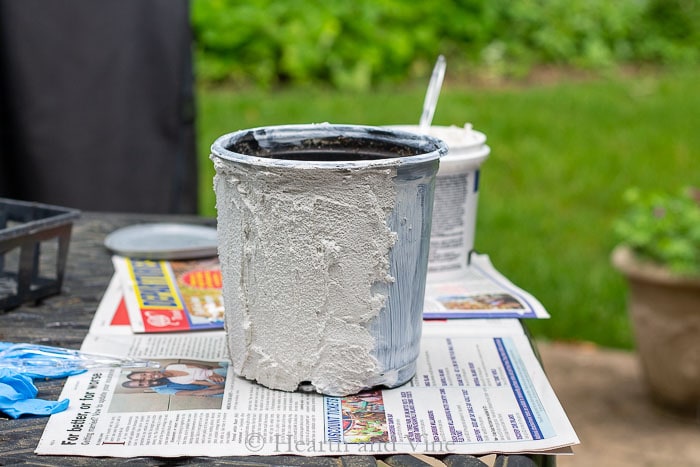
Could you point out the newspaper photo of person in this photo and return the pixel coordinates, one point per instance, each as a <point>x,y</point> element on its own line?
<point>177,385</point>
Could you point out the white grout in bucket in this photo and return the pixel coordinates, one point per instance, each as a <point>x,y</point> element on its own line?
<point>456,199</point>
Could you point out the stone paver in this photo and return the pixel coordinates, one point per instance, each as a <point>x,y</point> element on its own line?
<point>605,397</point>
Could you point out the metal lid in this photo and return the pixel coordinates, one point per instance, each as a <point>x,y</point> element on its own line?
<point>163,241</point>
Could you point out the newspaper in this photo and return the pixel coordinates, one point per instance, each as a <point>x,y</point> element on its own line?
<point>478,389</point>
<point>170,296</point>
<point>482,292</point>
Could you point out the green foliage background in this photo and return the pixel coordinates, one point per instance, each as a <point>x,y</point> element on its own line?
<point>355,44</point>
<point>663,228</point>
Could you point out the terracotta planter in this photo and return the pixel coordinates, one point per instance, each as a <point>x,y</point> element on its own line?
<point>665,313</point>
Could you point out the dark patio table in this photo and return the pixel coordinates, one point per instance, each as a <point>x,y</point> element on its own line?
<point>63,320</point>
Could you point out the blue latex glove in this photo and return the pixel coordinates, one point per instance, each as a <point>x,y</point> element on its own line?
<point>40,361</point>
<point>17,390</point>
<point>19,363</point>
<point>43,361</point>
<point>17,396</point>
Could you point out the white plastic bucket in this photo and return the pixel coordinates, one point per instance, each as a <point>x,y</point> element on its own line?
<point>456,199</point>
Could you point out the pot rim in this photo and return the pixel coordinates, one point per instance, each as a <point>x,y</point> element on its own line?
<point>624,260</point>
<point>429,148</point>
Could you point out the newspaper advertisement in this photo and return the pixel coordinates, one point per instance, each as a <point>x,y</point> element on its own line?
<point>478,389</point>
<point>171,296</point>
<point>483,292</point>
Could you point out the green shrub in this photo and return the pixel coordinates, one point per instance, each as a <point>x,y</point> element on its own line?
<point>663,228</point>
<point>353,45</point>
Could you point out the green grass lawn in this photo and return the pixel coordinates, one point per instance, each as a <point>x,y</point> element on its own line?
<point>561,156</point>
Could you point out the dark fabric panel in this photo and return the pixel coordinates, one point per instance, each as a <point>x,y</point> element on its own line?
<point>97,105</point>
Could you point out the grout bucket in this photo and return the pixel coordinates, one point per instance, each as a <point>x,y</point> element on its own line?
<point>456,200</point>
<point>323,235</point>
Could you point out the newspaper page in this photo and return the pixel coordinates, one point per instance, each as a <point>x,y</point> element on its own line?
<point>171,296</point>
<point>478,389</point>
<point>111,316</point>
<point>483,292</point>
